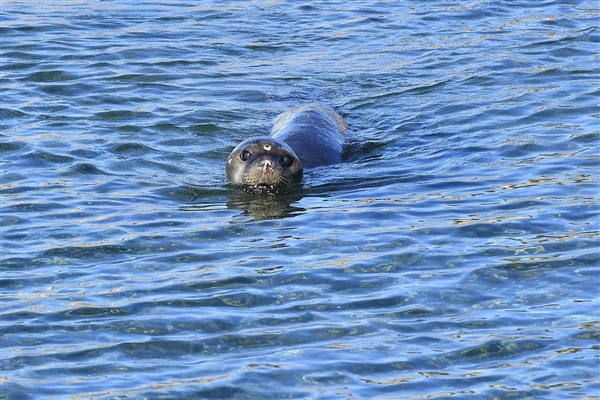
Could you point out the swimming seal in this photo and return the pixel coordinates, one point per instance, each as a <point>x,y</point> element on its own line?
<point>306,136</point>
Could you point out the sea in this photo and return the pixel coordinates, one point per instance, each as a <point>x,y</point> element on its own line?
<point>454,253</point>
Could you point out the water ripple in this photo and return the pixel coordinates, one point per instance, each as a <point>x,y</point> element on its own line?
<point>453,254</point>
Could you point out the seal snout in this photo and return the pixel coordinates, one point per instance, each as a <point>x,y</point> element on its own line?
<point>266,164</point>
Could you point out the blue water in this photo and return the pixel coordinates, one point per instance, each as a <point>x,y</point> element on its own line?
<point>454,253</point>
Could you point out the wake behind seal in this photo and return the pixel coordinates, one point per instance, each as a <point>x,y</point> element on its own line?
<point>306,136</point>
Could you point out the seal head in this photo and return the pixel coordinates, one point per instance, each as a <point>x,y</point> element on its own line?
<point>264,164</point>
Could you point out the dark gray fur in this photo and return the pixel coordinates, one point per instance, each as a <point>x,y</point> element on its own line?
<point>315,132</point>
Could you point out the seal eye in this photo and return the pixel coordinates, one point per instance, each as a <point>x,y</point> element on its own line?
<point>245,155</point>
<point>287,161</point>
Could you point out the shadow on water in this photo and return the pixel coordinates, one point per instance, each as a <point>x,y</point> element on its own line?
<point>256,206</point>
<point>266,206</point>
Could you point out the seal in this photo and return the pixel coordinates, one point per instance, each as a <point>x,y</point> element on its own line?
<point>306,136</point>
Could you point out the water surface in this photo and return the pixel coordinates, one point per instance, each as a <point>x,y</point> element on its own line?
<point>452,254</point>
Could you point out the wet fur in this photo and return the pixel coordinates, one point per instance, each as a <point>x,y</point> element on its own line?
<point>312,134</point>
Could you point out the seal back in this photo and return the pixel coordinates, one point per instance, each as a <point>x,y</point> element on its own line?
<point>314,131</point>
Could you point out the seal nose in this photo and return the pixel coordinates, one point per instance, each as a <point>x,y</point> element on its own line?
<point>266,165</point>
